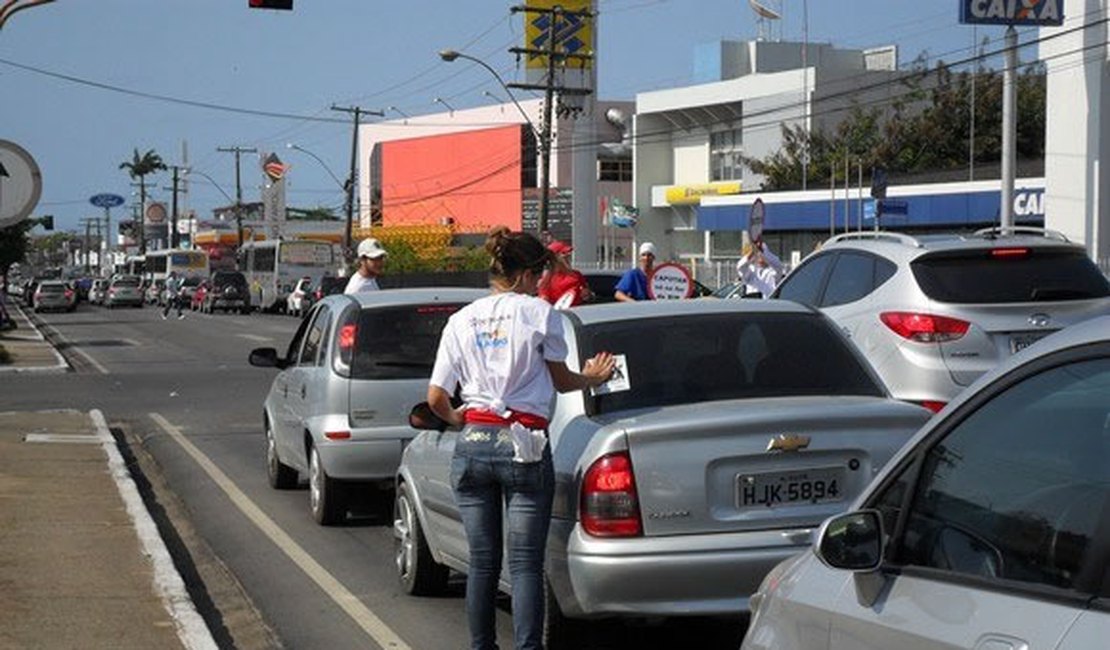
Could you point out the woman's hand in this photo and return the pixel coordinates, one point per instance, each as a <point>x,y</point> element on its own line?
<point>599,368</point>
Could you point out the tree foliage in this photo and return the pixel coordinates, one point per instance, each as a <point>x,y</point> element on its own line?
<point>140,166</point>
<point>14,245</point>
<point>927,128</point>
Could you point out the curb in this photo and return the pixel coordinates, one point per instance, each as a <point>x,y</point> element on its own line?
<point>36,337</point>
<point>191,628</point>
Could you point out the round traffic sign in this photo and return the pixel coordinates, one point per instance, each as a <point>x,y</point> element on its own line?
<point>20,184</point>
<point>106,200</point>
<point>755,221</point>
<point>670,281</point>
<point>156,213</point>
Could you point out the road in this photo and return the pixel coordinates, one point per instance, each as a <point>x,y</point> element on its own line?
<point>263,573</point>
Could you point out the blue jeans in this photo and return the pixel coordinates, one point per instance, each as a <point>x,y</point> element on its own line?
<point>487,483</point>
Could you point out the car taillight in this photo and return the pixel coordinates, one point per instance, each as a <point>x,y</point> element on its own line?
<point>933,406</point>
<point>610,507</point>
<point>924,328</point>
<point>337,435</point>
<point>69,293</point>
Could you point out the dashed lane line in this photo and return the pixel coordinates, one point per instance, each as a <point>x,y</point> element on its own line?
<point>347,601</point>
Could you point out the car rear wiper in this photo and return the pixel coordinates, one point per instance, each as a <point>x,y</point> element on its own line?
<point>1057,293</point>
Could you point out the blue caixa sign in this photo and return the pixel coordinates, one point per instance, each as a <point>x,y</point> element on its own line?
<point>1022,13</point>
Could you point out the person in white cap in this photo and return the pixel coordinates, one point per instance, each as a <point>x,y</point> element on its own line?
<point>371,263</point>
<point>633,284</point>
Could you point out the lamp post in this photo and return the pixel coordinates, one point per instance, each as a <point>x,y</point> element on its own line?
<point>543,136</point>
<point>238,213</point>
<point>440,100</point>
<point>297,147</point>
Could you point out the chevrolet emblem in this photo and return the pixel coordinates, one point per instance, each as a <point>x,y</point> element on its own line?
<point>788,442</point>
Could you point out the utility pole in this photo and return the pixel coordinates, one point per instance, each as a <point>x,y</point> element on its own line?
<point>174,237</point>
<point>554,53</point>
<point>238,151</point>
<point>1009,128</point>
<point>357,112</point>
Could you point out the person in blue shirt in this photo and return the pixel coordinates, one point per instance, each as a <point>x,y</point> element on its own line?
<point>633,284</point>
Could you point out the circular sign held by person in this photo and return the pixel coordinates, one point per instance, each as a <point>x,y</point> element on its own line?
<point>755,221</point>
<point>670,281</point>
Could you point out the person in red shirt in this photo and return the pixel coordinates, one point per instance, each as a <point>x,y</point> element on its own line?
<point>562,286</point>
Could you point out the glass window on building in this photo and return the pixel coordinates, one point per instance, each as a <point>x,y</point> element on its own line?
<point>725,155</point>
<point>614,170</point>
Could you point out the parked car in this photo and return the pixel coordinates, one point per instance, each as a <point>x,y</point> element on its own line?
<point>988,530</point>
<point>932,314</point>
<point>54,295</point>
<point>97,290</point>
<point>227,291</point>
<point>124,290</point>
<point>196,301</point>
<point>744,425</point>
<point>337,412</point>
<point>154,292</point>
<point>300,298</point>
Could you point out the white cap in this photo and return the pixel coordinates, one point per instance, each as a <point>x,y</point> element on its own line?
<point>647,248</point>
<point>371,248</point>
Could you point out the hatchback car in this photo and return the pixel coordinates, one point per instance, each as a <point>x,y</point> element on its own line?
<point>55,295</point>
<point>97,291</point>
<point>227,291</point>
<point>337,412</point>
<point>989,530</point>
<point>933,313</point>
<point>741,426</point>
<point>300,298</point>
<point>124,290</point>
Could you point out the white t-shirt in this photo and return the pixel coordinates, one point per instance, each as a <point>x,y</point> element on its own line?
<point>761,279</point>
<point>496,348</point>
<point>358,283</point>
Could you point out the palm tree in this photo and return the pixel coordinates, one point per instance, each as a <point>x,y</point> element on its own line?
<point>138,167</point>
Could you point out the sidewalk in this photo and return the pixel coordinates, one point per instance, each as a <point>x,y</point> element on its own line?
<point>28,348</point>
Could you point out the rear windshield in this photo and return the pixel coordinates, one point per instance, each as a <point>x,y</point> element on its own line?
<point>978,277</point>
<point>229,278</point>
<point>686,360</point>
<point>399,342</point>
<point>127,282</point>
<point>51,288</point>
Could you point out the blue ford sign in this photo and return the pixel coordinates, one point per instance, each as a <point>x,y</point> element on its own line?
<point>1029,13</point>
<point>107,200</point>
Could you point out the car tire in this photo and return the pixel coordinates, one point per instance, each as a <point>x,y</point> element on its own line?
<point>418,571</point>
<point>326,499</point>
<point>281,476</point>
<point>560,632</point>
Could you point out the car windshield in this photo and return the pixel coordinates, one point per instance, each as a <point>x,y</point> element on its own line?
<point>1016,275</point>
<point>399,342</point>
<point>126,282</point>
<point>727,356</point>
<point>52,288</point>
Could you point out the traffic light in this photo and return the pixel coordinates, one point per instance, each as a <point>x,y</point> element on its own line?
<point>271,4</point>
<point>48,222</point>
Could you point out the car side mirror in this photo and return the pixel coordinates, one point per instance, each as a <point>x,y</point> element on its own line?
<point>266,358</point>
<point>852,541</point>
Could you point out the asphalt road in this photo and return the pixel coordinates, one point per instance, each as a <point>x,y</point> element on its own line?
<point>264,573</point>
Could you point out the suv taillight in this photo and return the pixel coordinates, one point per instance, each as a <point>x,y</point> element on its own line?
<point>610,507</point>
<point>924,328</point>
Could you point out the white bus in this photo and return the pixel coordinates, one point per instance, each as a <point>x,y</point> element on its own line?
<point>273,267</point>
<point>187,263</point>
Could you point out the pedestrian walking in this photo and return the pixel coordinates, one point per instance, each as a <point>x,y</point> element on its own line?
<point>507,354</point>
<point>634,283</point>
<point>173,295</point>
<point>760,270</point>
<point>563,286</point>
<point>371,264</point>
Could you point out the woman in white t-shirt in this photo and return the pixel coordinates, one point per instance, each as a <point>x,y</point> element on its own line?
<point>507,354</point>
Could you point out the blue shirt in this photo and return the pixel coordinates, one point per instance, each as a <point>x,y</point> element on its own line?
<point>634,284</point>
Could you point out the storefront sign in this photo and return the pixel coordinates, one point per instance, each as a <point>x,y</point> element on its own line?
<point>1024,13</point>
<point>670,282</point>
<point>691,194</point>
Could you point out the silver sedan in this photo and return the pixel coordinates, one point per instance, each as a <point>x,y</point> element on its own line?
<point>734,429</point>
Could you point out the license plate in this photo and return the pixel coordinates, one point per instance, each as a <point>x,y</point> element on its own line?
<point>772,489</point>
<point>1019,342</point>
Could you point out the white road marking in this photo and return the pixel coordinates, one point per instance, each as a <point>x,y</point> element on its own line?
<point>347,601</point>
<point>255,337</point>
<point>191,629</point>
<point>63,438</point>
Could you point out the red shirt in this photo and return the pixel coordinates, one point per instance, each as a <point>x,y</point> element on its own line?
<point>558,283</point>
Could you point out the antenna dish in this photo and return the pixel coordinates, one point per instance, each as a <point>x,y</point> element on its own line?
<point>766,11</point>
<point>763,11</point>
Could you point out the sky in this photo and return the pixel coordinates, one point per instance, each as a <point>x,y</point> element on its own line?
<point>76,77</point>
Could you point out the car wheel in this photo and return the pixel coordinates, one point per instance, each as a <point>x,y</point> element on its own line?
<point>282,476</point>
<point>420,574</point>
<point>559,632</point>
<point>325,494</point>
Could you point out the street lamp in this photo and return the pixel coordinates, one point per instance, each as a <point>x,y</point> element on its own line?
<point>440,100</point>
<point>543,137</point>
<point>399,112</point>
<point>238,212</point>
<point>296,147</point>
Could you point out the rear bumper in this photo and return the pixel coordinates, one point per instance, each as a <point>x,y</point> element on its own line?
<point>686,575</point>
<point>362,460</point>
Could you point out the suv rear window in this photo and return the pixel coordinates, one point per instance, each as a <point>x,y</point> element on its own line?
<point>126,282</point>
<point>727,356</point>
<point>229,278</point>
<point>399,342</point>
<point>982,277</point>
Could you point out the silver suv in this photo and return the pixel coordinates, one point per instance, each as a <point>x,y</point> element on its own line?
<point>933,313</point>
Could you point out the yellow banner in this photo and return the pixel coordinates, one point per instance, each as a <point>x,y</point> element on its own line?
<point>691,194</point>
<point>573,34</point>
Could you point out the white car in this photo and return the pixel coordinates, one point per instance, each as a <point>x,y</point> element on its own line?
<point>300,298</point>
<point>989,530</point>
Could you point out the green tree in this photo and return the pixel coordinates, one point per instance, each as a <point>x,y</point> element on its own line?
<point>14,246</point>
<point>140,167</point>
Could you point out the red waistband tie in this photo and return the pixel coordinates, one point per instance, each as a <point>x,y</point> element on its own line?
<point>482,416</point>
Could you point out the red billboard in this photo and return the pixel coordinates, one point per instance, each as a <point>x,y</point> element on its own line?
<point>472,178</point>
